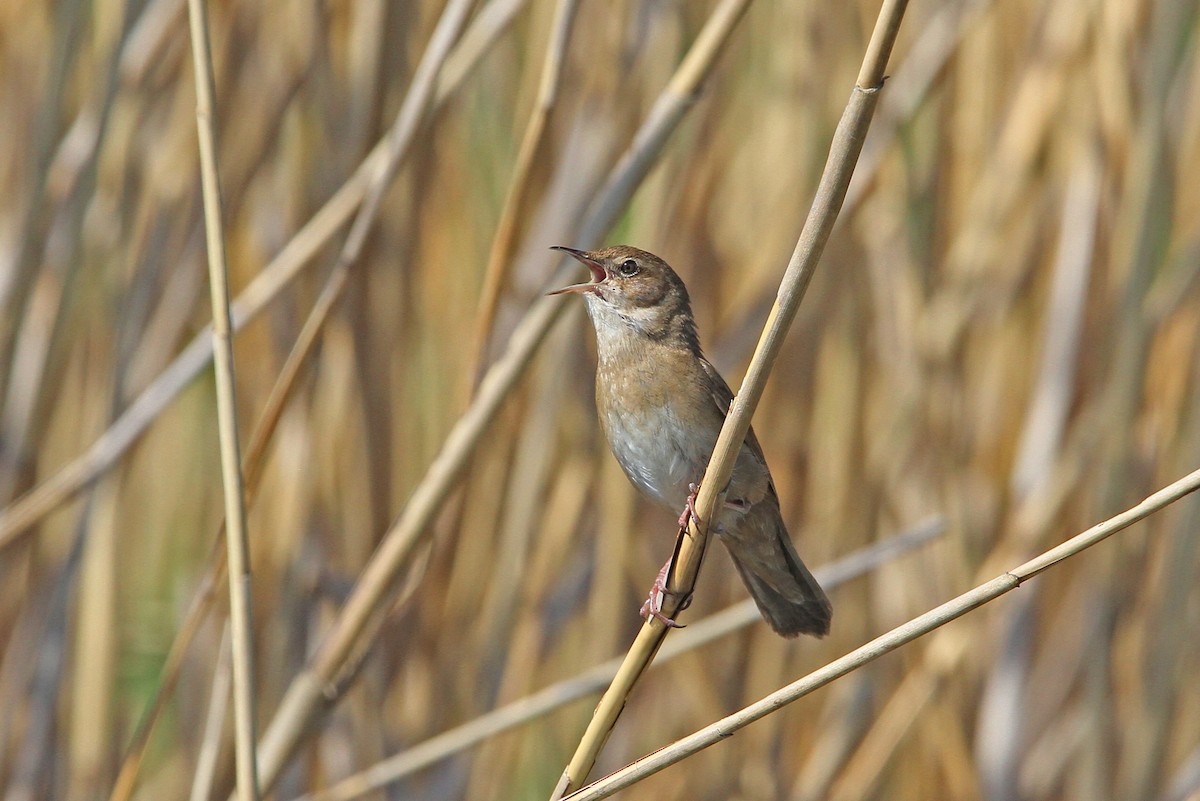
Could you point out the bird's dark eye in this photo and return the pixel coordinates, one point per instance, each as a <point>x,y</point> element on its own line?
<point>628,268</point>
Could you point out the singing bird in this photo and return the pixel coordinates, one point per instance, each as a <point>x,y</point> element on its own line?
<point>661,405</point>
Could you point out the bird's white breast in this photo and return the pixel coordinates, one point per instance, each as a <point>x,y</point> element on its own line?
<point>651,453</point>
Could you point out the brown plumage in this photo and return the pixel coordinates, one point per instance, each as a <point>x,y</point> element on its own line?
<point>662,404</point>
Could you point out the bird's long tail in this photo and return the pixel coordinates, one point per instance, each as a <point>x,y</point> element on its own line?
<point>788,596</point>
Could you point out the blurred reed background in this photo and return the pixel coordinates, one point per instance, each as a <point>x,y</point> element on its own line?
<point>1003,333</point>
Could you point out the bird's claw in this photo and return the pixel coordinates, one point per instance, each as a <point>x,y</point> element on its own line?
<point>652,608</point>
<point>689,508</point>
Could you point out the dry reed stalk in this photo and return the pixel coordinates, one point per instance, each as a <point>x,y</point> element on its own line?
<point>1160,712</point>
<point>504,240</point>
<point>19,516</point>
<point>595,679</point>
<point>831,191</point>
<point>307,692</point>
<point>237,547</point>
<point>885,643</point>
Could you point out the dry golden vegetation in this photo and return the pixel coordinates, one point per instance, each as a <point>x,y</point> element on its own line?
<point>1002,336</point>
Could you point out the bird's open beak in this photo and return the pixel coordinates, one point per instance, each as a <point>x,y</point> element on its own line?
<point>597,269</point>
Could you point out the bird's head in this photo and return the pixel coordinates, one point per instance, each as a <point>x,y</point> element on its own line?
<point>633,288</point>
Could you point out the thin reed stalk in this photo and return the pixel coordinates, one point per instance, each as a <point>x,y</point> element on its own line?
<point>237,549</point>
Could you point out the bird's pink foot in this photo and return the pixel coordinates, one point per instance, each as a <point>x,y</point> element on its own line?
<point>689,508</point>
<point>652,608</point>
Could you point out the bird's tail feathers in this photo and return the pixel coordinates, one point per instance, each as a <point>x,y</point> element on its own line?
<point>787,594</point>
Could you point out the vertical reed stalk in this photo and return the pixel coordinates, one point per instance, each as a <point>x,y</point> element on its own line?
<point>238,552</point>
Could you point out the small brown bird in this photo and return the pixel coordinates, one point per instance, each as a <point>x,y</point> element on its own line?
<point>661,405</point>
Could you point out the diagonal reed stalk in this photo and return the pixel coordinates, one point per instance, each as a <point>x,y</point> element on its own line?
<point>831,191</point>
<point>238,552</point>
<point>595,679</point>
<point>901,635</point>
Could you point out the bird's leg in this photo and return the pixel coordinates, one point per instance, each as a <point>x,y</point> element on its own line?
<point>658,590</point>
<point>689,508</point>
<point>652,608</point>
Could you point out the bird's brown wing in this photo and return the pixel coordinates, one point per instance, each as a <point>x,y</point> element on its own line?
<point>786,593</point>
<point>722,396</point>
